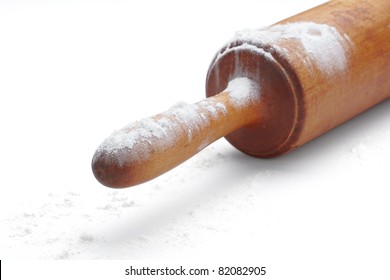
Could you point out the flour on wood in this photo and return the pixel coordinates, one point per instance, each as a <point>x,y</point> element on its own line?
<point>242,91</point>
<point>323,47</point>
<point>161,131</point>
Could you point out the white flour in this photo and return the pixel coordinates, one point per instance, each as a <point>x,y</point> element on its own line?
<point>322,45</point>
<point>162,131</point>
<point>242,91</point>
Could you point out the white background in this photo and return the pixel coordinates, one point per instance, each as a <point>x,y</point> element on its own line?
<point>71,72</point>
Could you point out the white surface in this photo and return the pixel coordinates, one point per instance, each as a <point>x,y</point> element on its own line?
<point>71,72</point>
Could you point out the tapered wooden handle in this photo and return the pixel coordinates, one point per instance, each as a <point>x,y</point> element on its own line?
<point>148,148</point>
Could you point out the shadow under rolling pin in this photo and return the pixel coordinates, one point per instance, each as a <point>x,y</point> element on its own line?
<point>269,91</point>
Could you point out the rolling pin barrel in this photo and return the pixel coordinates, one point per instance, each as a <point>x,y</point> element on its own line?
<point>269,91</point>
<point>316,70</point>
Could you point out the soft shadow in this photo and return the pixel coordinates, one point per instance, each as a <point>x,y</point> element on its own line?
<point>345,134</point>
<point>237,167</point>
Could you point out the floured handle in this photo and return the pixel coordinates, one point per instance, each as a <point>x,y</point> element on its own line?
<point>148,148</point>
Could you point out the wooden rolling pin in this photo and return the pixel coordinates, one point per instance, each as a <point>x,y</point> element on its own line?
<point>269,91</point>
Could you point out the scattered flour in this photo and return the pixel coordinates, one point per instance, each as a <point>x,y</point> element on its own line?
<point>111,223</point>
<point>162,131</point>
<point>143,130</point>
<point>244,46</point>
<point>323,46</point>
<point>86,238</point>
<point>58,230</point>
<point>242,90</point>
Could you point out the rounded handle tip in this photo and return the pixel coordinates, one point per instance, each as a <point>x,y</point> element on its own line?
<point>110,172</point>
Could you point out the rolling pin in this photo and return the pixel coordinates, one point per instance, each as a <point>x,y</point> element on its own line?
<point>269,91</point>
